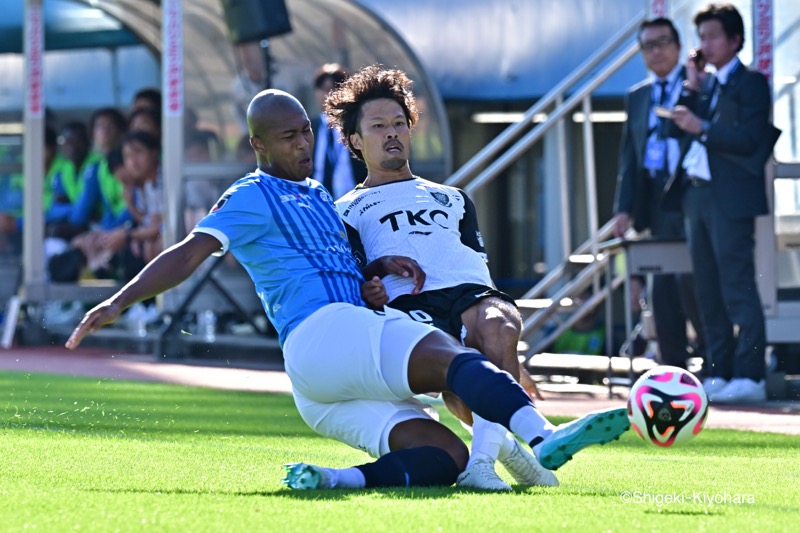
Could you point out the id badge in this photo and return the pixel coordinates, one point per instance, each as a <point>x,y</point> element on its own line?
<point>655,154</point>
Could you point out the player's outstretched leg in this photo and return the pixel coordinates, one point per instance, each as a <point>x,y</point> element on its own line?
<point>425,466</point>
<point>494,395</point>
<point>597,427</point>
<point>424,453</point>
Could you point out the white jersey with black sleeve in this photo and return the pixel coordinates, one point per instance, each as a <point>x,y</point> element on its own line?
<point>434,224</point>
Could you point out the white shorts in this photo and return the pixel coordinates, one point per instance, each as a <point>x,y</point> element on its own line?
<point>349,371</point>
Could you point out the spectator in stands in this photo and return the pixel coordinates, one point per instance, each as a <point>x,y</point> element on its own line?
<point>12,197</point>
<point>68,178</point>
<point>586,337</point>
<point>334,167</point>
<point>144,194</point>
<point>96,249</point>
<point>107,127</point>
<point>193,133</point>
<point>146,120</point>
<point>147,98</point>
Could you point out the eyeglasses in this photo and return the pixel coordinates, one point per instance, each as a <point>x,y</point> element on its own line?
<point>662,43</point>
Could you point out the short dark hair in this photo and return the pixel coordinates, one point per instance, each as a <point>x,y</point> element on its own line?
<point>142,137</point>
<point>150,94</point>
<point>153,114</point>
<point>78,128</point>
<point>330,71</point>
<point>659,22</point>
<point>113,114</point>
<point>343,105</point>
<point>727,15</point>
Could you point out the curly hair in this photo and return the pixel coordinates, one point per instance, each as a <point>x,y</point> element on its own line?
<point>343,105</point>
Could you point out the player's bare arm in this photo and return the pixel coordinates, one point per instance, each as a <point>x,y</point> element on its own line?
<point>170,268</point>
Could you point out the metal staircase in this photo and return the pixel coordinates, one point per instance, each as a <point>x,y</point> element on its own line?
<point>552,301</point>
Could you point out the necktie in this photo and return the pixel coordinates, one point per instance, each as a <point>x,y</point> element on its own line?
<point>713,96</point>
<point>663,173</point>
<point>662,99</point>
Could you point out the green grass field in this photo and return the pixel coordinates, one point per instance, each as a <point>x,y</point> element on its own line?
<point>102,455</point>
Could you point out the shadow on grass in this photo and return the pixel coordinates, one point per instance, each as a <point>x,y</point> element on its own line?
<point>410,493</point>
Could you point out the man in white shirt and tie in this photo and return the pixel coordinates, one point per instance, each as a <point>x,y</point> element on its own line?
<point>722,183</point>
<point>648,157</point>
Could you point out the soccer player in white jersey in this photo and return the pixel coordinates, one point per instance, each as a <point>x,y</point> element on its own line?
<point>395,213</point>
<point>354,371</point>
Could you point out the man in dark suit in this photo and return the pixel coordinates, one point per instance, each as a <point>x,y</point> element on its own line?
<point>334,167</point>
<point>648,157</point>
<point>727,117</point>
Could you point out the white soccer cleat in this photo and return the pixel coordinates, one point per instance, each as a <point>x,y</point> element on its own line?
<point>526,470</point>
<point>480,474</point>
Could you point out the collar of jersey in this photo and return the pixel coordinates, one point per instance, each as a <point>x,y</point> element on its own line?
<point>362,186</point>
<point>263,174</point>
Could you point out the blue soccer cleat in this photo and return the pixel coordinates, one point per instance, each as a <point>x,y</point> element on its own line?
<point>597,427</point>
<point>301,476</point>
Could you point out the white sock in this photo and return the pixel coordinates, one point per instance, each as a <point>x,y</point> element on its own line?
<point>530,425</point>
<point>508,445</point>
<point>345,478</point>
<point>487,438</point>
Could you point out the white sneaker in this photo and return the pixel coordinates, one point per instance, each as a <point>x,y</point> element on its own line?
<point>714,385</point>
<point>526,470</point>
<point>741,390</point>
<point>480,474</point>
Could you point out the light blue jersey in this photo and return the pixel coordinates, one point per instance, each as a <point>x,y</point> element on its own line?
<point>289,238</point>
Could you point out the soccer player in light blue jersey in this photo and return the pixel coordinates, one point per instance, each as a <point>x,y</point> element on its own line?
<point>354,371</point>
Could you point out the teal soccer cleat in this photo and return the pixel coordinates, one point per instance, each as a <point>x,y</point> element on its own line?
<point>597,427</point>
<point>301,476</point>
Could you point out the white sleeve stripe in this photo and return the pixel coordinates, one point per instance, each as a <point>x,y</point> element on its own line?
<point>221,237</point>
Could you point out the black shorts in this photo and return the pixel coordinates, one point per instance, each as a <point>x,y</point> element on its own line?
<point>442,308</point>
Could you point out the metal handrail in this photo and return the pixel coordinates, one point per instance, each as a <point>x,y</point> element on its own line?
<point>577,285</point>
<point>552,277</point>
<point>529,139</point>
<point>524,135</point>
<point>512,131</point>
<point>592,302</point>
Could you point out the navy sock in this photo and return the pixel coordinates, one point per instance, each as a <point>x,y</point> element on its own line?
<point>485,389</point>
<point>420,467</point>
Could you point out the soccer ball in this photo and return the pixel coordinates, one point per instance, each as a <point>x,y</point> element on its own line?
<point>667,406</point>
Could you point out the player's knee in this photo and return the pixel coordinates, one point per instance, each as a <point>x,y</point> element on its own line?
<point>497,338</point>
<point>500,324</point>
